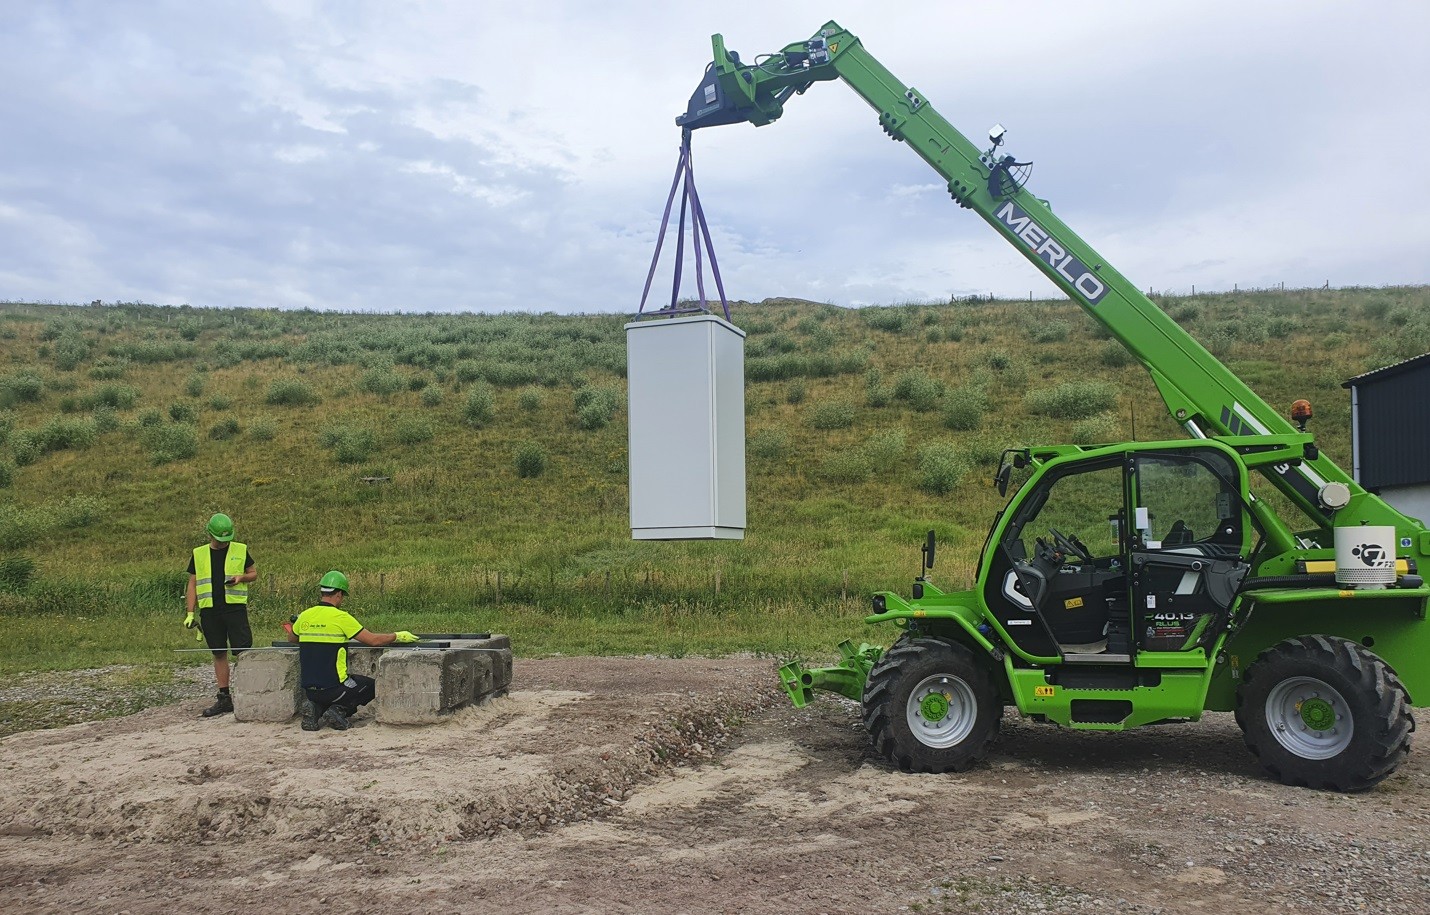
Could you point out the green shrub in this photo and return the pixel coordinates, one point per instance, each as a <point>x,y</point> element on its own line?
<point>876,393</point>
<point>7,424</point>
<point>291,392</point>
<point>109,370</point>
<point>796,392</point>
<point>918,390</point>
<point>847,467</point>
<point>7,475</point>
<point>16,573</point>
<point>167,443</point>
<point>941,466</point>
<point>1073,400</point>
<point>833,414</point>
<point>71,350</point>
<point>531,400</point>
<point>893,319</point>
<point>354,446</point>
<point>1095,430</point>
<point>24,448</point>
<point>431,396</point>
<point>21,528</point>
<point>194,387</point>
<point>1115,355</point>
<point>768,444</point>
<point>224,429</point>
<point>530,460</point>
<point>596,406</point>
<point>22,387</point>
<point>382,380</point>
<point>263,429</point>
<point>183,413</point>
<point>998,360</point>
<point>480,406</point>
<point>963,408</point>
<point>1050,331</point>
<point>76,512</point>
<point>104,419</point>
<point>220,402</point>
<point>884,449</point>
<point>116,396</point>
<point>150,417</point>
<point>412,430</point>
<point>64,434</point>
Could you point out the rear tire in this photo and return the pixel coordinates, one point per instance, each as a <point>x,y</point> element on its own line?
<point>1323,712</point>
<point>930,706</point>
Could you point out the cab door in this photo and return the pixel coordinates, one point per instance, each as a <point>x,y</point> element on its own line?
<point>1189,542</point>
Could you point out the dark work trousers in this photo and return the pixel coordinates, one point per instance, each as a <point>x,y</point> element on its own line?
<point>350,694</point>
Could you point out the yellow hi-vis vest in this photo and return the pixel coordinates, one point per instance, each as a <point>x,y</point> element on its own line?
<point>232,565</point>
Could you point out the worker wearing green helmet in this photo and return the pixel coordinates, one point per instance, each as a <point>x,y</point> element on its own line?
<point>219,574</point>
<point>331,694</point>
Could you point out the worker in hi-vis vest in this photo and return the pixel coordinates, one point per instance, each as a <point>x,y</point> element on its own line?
<point>330,693</point>
<point>219,574</point>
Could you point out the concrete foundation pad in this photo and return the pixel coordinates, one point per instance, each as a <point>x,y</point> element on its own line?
<point>414,685</point>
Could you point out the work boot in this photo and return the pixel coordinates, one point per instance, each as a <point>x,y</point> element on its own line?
<point>335,718</point>
<point>221,707</point>
<point>310,715</point>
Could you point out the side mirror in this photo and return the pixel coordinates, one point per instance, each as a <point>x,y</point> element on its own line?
<point>1005,472</point>
<point>930,545</point>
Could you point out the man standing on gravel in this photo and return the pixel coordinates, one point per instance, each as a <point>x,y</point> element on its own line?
<point>330,693</point>
<point>223,610</point>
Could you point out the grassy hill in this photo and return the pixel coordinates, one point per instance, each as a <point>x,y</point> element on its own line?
<point>501,442</point>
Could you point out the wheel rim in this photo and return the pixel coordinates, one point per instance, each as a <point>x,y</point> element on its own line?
<point>941,711</point>
<point>1308,717</point>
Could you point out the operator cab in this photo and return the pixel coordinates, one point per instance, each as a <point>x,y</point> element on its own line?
<point>1105,556</point>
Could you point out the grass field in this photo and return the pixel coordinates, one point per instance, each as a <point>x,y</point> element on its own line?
<point>499,445</point>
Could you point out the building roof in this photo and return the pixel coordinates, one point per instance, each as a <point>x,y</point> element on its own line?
<point>1406,365</point>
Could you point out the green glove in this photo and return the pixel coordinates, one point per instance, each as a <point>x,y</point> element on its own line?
<point>189,621</point>
<point>404,636</point>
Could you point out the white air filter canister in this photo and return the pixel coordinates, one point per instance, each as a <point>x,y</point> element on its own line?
<point>1365,556</point>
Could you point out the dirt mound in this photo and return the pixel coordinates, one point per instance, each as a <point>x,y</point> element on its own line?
<point>542,756</point>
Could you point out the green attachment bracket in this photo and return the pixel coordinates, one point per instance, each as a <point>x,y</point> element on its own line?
<point>847,678</point>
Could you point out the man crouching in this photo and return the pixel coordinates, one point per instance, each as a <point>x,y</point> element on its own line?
<point>330,694</point>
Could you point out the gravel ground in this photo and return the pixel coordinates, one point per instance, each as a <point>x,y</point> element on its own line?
<point>658,785</point>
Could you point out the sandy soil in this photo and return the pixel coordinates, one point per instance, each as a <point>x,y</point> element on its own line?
<point>656,785</point>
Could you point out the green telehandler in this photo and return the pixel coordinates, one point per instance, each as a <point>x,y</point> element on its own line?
<point>1133,583</point>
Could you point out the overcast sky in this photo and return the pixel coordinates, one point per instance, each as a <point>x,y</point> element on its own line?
<point>484,156</point>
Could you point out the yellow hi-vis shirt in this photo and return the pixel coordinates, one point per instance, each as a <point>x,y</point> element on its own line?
<point>233,564</point>
<point>322,631</point>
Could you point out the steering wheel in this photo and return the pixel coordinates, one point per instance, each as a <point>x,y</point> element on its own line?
<point>1070,545</point>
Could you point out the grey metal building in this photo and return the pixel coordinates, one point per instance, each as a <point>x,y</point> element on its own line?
<point>1390,433</point>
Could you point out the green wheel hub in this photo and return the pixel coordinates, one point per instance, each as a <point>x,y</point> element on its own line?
<point>934,707</point>
<point>1318,714</point>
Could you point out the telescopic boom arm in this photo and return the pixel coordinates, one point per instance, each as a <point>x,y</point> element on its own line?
<point>1201,394</point>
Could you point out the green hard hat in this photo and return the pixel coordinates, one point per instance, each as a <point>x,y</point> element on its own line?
<point>334,581</point>
<point>221,528</point>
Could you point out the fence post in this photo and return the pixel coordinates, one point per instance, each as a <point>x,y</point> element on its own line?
<point>844,587</point>
<point>498,586</point>
<point>717,582</point>
<point>381,584</point>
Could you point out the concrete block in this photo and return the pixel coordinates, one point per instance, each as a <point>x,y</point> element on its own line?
<point>420,686</point>
<point>265,686</point>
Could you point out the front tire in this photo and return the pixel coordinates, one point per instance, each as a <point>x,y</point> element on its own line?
<point>1323,712</point>
<point>930,706</point>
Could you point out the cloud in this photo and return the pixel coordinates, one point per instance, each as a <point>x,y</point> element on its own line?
<point>444,156</point>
